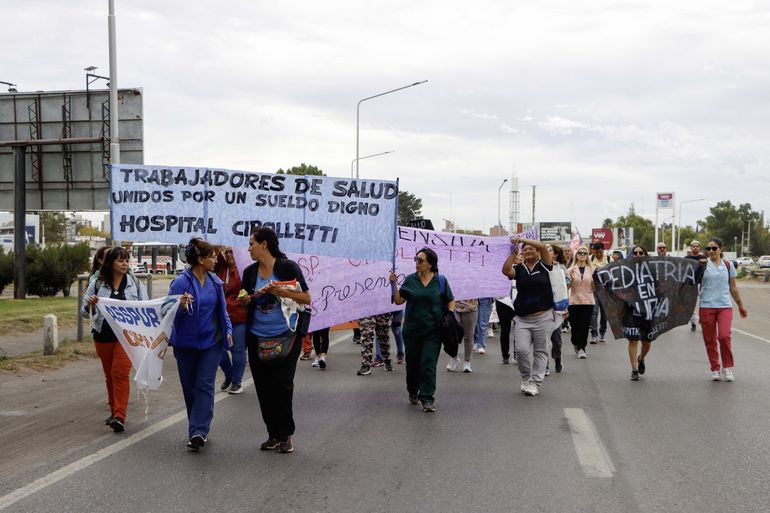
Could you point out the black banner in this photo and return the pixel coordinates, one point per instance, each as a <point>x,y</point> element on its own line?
<point>644,297</point>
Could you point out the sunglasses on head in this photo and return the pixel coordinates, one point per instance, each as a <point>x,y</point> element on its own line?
<point>712,248</point>
<point>419,260</point>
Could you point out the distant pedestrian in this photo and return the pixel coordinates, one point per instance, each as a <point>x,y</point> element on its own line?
<point>378,325</point>
<point>716,310</point>
<point>661,249</point>
<point>227,271</point>
<point>396,324</point>
<point>96,264</point>
<point>481,333</point>
<point>638,366</point>
<point>617,256</point>
<point>274,336</point>
<point>695,254</point>
<point>535,317</point>
<point>114,281</point>
<point>557,260</point>
<point>422,293</point>
<point>321,347</point>
<point>202,330</point>
<point>599,317</point>
<point>466,312</point>
<point>505,313</point>
<point>581,300</point>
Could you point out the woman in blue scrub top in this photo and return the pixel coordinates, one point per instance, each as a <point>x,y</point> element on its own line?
<point>201,329</point>
<point>265,320</point>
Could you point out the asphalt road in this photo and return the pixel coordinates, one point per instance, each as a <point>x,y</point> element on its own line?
<point>592,441</point>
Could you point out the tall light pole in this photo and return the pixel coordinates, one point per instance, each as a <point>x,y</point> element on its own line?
<point>11,87</point>
<point>367,157</point>
<point>499,223</point>
<point>676,243</point>
<point>358,113</point>
<point>114,115</point>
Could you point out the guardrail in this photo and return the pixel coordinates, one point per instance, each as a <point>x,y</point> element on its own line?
<point>83,286</point>
<point>762,273</point>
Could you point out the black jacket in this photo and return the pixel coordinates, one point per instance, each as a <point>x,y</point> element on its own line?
<point>285,270</point>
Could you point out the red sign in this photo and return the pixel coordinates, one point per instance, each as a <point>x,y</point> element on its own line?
<point>603,235</point>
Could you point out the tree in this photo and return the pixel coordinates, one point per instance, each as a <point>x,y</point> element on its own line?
<point>409,207</point>
<point>607,223</point>
<point>644,229</point>
<point>53,227</point>
<point>90,231</point>
<point>302,169</point>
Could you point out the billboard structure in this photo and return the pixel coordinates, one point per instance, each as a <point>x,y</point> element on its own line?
<point>555,232</point>
<point>68,176</point>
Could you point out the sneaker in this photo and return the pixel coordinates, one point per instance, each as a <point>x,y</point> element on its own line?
<point>506,361</point>
<point>377,363</point>
<point>467,367</point>
<point>305,356</point>
<point>235,389</point>
<point>593,340</point>
<point>315,362</point>
<point>453,363</point>
<point>547,370</point>
<point>532,389</point>
<point>108,420</point>
<point>365,370</point>
<point>564,329</point>
<point>490,333</point>
<point>225,384</point>
<point>322,363</point>
<point>400,359</point>
<point>270,444</point>
<point>634,375</point>
<point>727,373</point>
<point>428,407</point>
<point>117,425</point>
<point>286,446</point>
<point>413,399</point>
<point>524,386</point>
<point>196,442</point>
<point>601,339</point>
<point>482,350</point>
<point>715,376</point>
<point>577,351</point>
<point>356,340</point>
<point>559,365</point>
<point>388,365</point>
<point>582,354</point>
<point>514,361</point>
<point>692,326</point>
<point>641,365</point>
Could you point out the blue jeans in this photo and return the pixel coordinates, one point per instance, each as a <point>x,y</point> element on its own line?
<point>197,373</point>
<point>482,322</point>
<point>395,328</point>
<point>234,370</point>
<point>602,324</point>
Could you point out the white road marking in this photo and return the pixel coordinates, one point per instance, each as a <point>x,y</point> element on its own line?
<point>588,446</point>
<point>746,333</point>
<point>85,462</point>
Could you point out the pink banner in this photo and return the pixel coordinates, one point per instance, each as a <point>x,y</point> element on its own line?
<point>347,289</point>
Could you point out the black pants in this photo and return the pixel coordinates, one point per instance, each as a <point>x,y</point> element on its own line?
<point>580,320</point>
<point>505,314</point>
<point>321,341</point>
<point>275,387</point>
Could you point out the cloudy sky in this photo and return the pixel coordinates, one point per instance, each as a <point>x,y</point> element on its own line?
<point>598,103</point>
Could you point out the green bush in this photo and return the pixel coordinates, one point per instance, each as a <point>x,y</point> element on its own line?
<point>6,269</point>
<point>55,268</point>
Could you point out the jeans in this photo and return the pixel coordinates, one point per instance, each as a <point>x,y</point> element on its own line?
<point>598,312</point>
<point>234,370</point>
<point>482,322</point>
<point>197,373</point>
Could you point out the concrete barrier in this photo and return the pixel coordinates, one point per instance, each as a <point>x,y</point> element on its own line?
<point>50,334</point>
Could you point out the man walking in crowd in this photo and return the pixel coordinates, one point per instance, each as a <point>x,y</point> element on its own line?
<point>598,260</point>
<point>661,249</point>
<point>482,323</point>
<point>379,325</point>
<point>695,254</point>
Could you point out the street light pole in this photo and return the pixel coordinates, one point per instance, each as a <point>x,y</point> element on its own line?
<point>367,157</point>
<point>499,223</point>
<point>114,116</point>
<point>358,113</point>
<point>677,242</point>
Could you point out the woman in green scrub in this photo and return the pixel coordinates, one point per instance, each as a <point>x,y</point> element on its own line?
<point>421,292</point>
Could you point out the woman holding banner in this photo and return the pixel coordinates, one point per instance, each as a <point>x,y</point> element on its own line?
<point>113,282</point>
<point>201,330</point>
<point>426,294</point>
<point>534,321</point>
<point>637,362</point>
<point>716,310</point>
<point>274,333</point>
<point>581,300</point>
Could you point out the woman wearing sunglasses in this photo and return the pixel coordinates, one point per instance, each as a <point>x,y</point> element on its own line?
<point>421,291</point>
<point>581,300</point>
<point>202,329</point>
<point>637,361</point>
<point>716,310</point>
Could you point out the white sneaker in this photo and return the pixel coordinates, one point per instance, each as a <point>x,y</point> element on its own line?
<point>727,373</point>
<point>452,365</point>
<point>467,367</point>
<point>490,333</point>
<point>475,347</point>
<point>532,389</point>
<point>715,376</point>
<point>524,386</point>
<point>482,351</point>
<point>315,362</point>
<point>582,355</point>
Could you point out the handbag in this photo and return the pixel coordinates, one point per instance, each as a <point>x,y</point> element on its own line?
<point>450,331</point>
<point>275,349</point>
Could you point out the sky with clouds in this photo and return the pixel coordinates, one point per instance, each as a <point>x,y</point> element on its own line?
<point>599,103</point>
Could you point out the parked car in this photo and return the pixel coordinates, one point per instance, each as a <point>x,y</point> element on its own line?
<point>764,261</point>
<point>745,261</point>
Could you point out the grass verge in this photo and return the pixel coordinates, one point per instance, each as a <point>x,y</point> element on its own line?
<point>26,315</point>
<point>69,350</point>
